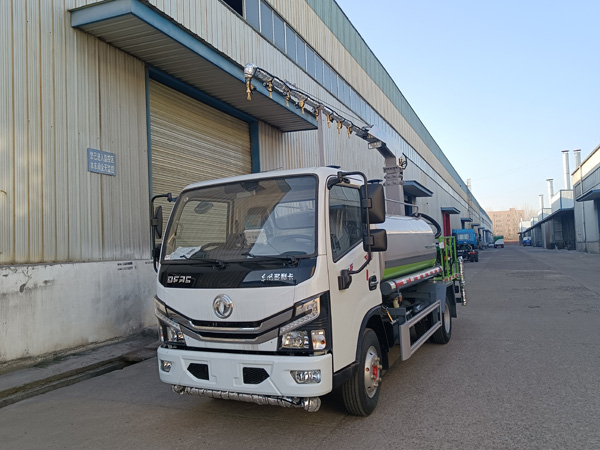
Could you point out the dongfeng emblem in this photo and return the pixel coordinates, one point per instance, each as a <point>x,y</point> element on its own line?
<point>222,306</point>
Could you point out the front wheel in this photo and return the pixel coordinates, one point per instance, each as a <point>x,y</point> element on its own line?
<point>361,392</point>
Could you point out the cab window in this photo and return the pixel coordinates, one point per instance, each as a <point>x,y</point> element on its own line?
<point>345,223</point>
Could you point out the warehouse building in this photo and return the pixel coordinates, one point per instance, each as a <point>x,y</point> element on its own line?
<point>107,103</point>
<point>586,189</point>
<point>554,227</point>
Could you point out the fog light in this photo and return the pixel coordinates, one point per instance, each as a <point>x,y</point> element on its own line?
<point>319,341</point>
<point>165,366</point>
<point>306,376</point>
<point>295,339</point>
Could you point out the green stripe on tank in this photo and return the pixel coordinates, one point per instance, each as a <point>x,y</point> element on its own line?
<point>394,272</point>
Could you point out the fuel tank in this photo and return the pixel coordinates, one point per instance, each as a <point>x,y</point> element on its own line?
<point>411,246</point>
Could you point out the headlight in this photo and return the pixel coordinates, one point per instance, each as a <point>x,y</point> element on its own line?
<point>305,312</point>
<point>307,329</point>
<point>295,339</point>
<point>169,330</point>
<point>170,334</point>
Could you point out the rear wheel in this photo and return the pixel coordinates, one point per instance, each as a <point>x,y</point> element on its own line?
<point>361,392</point>
<point>443,334</point>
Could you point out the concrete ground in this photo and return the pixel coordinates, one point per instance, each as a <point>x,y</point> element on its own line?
<point>25,379</point>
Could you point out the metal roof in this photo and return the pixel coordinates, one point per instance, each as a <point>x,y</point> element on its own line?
<point>555,215</point>
<point>416,189</point>
<point>149,35</point>
<point>590,195</point>
<point>450,210</point>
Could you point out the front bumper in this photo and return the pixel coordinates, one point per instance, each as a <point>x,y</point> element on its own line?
<point>225,372</point>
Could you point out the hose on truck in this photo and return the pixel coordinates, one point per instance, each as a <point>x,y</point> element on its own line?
<point>432,221</point>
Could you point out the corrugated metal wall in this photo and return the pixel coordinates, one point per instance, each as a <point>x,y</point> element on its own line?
<point>62,91</point>
<point>193,142</point>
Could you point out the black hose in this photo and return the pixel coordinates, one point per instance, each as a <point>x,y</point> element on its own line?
<point>433,222</point>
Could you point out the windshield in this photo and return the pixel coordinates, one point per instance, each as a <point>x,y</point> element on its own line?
<point>231,222</point>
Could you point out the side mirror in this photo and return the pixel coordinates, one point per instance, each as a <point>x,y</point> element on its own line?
<point>157,222</point>
<point>376,241</point>
<point>344,280</point>
<point>375,203</point>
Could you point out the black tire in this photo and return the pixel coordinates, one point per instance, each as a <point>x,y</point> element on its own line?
<point>444,333</point>
<point>477,258</point>
<point>361,392</point>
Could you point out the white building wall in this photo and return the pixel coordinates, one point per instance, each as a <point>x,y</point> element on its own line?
<point>49,307</point>
<point>587,227</point>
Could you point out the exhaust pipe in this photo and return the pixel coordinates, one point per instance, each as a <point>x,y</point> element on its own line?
<point>577,155</point>
<point>566,172</point>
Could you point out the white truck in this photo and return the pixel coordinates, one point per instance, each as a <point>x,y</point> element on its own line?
<point>499,241</point>
<point>277,288</point>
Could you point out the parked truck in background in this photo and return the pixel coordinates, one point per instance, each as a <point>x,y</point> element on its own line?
<point>466,244</point>
<point>499,241</point>
<point>277,288</point>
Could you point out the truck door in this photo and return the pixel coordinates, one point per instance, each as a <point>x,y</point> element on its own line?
<point>348,306</point>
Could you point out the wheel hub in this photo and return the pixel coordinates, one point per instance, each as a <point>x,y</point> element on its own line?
<point>372,372</point>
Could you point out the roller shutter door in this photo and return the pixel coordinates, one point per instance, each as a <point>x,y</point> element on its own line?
<point>193,142</point>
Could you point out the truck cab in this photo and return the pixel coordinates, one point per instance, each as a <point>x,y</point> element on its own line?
<point>466,244</point>
<point>244,269</point>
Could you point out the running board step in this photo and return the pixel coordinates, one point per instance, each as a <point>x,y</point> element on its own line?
<point>406,348</point>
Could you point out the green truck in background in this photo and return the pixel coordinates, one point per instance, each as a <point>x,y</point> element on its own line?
<point>499,241</point>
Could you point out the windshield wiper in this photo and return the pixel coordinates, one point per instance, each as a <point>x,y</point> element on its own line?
<point>216,263</point>
<point>289,259</point>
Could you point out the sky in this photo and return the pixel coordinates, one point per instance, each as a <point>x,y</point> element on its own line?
<point>502,86</point>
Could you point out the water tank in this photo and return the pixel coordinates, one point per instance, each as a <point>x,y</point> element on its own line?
<point>411,246</point>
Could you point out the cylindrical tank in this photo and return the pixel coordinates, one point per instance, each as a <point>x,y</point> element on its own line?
<point>411,246</point>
